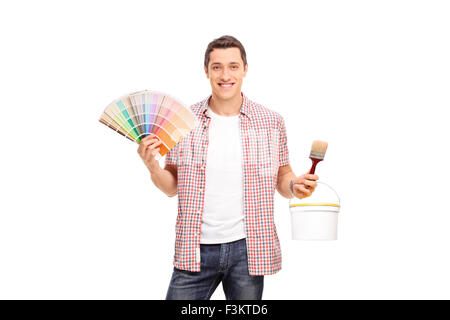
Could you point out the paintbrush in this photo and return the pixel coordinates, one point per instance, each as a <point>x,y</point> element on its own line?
<point>317,154</point>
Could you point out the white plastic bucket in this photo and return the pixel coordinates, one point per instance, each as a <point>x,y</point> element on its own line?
<point>315,218</point>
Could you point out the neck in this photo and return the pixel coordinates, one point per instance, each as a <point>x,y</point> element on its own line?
<point>229,107</point>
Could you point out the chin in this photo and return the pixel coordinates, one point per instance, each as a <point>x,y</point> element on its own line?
<point>230,94</point>
<point>227,95</point>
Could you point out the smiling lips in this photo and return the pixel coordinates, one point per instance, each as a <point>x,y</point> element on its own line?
<point>224,85</point>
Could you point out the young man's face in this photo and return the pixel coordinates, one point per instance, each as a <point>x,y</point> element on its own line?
<point>225,72</point>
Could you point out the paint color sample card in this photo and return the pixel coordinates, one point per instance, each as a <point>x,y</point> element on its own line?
<point>139,114</point>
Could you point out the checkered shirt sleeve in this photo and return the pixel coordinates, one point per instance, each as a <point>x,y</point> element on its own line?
<point>284,152</point>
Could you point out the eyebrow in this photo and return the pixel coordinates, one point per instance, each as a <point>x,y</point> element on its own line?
<point>220,63</point>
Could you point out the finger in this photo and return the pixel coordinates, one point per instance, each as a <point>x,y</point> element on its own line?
<point>145,143</point>
<point>304,190</point>
<point>141,148</point>
<point>143,140</point>
<point>150,136</point>
<point>148,152</point>
<point>153,145</point>
<point>151,151</point>
<point>312,176</point>
<point>149,139</point>
<point>151,142</point>
<point>310,184</point>
<point>147,149</point>
<point>301,195</point>
<point>299,179</point>
<point>301,188</point>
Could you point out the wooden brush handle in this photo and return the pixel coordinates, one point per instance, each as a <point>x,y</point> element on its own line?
<point>315,162</point>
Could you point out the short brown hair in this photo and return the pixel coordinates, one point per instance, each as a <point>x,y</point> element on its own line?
<point>223,43</point>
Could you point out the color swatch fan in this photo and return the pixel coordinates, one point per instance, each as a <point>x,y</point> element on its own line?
<point>139,114</point>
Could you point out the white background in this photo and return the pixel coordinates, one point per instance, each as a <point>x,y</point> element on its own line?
<point>80,217</point>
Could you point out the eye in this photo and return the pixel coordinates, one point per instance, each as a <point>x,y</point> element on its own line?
<point>215,67</point>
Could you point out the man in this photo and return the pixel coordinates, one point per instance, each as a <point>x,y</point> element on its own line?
<point>225,173</point>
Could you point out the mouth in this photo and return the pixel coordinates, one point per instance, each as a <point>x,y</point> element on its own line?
<point>226,85</point>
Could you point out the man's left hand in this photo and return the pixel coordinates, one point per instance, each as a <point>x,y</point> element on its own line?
<point>304,185</point>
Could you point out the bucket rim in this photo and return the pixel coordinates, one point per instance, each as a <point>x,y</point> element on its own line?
<point>314,205</point>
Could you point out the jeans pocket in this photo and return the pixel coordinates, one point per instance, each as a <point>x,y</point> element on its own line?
<point>181,278</point>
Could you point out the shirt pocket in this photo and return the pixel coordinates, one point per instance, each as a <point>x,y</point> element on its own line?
<point>267,154</point>
<point>192,149</point>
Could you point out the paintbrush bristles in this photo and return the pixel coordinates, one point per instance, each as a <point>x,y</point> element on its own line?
<point>318,149</point>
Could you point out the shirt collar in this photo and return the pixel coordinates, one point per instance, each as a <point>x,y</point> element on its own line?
<point>246,107</point>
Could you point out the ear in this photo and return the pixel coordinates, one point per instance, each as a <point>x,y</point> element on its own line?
<point>245,69</point>
<point>206,72</point>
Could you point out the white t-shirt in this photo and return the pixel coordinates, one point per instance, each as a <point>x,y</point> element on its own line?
<point>223,214</point>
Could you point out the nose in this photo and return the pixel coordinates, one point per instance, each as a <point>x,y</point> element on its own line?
<point>225,75</point>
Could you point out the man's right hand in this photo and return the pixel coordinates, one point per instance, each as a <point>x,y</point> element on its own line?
<point>147,150</point>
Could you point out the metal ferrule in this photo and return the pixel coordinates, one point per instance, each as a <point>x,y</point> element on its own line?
<point>317,155</point>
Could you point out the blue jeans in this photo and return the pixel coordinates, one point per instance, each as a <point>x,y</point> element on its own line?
<point>226,263</point>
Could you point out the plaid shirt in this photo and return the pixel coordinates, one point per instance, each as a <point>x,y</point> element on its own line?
<point>264,147</point>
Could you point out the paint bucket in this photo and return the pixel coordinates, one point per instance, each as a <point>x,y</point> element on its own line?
<point>315,217</point>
